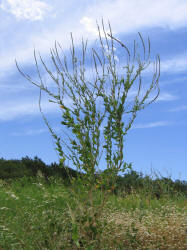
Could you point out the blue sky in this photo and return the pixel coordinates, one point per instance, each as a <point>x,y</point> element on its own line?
<point>158,139</point>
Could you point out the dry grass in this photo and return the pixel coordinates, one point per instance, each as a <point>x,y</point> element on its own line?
<point>163,228</point>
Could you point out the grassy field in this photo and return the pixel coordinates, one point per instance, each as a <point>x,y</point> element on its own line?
<point>36,215</point>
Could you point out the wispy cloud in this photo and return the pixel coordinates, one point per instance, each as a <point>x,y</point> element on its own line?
<point>174,80</point>
<point>30,132</point>
<point>32,10</point>
<point>167,97</point>
<point>153,124</point>
<point>177,109</point>
<point>173,65</point>
<point>12,88</point>
<point>178,64</point>
<point>163,96</point>
<point>17,110</point>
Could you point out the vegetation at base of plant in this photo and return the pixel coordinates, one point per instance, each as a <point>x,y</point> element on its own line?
<point>37,215</point>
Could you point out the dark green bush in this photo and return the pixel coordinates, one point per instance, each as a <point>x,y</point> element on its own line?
<point>11,169</point>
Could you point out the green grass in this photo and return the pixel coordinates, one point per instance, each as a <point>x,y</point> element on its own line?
<point>35,215</point>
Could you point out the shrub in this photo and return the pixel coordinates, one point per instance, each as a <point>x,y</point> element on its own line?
<point>82,144</point>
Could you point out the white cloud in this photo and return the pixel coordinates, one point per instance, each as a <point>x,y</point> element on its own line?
<point>16,110</point>
<point>89,25</point>
<point>126,16</point>
<point>178,64</point>
<point>12,88</point>
<point>166,97</point>
<point>182,108</point>
<point>163,96</point>
<point>174,65</point>
<point>29,132</point>
<point>33,10</point>
<point>32,132</point>
<point>152,125</point>
<point>174,80</point>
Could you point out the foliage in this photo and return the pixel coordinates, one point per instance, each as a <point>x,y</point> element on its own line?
<point>34,215</point>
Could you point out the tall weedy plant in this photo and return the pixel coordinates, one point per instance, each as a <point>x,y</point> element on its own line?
<point>94,107</point>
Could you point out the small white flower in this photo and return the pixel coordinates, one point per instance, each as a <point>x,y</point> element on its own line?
<point>4,208</point>
<point>14,196</point>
